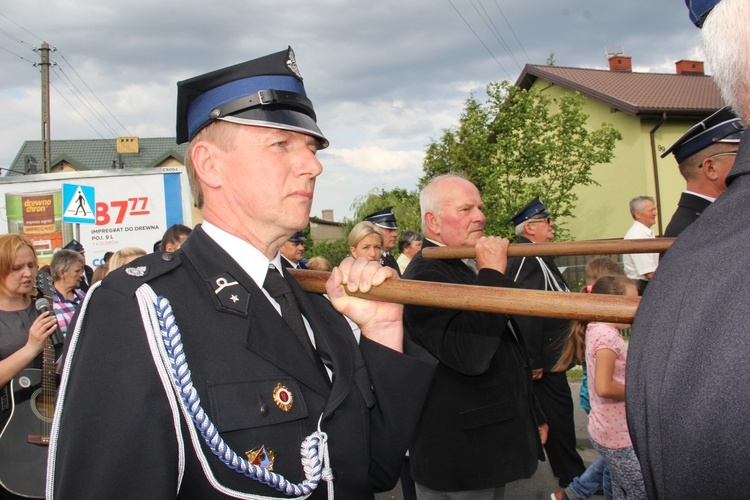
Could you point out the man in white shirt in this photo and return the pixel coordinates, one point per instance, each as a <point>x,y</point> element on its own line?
<point>641,267</point>
<point>409,243</point>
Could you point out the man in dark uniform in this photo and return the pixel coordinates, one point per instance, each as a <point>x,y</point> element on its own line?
<point>386,221</point>
<point>545,338</point>
<point>705,154</point>
<point>293,251</point>
<point>88,272</point>
<point>252,376</point>
<point>687,382</point>
<point>481,426</point>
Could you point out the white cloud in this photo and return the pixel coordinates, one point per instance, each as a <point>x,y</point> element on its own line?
<point>385,77</point>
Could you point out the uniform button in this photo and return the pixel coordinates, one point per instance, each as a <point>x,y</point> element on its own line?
<point>372,388</point>
<point>167,256</point>
<point>264,410</point>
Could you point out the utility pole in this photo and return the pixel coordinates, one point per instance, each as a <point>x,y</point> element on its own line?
<point>46,147</point>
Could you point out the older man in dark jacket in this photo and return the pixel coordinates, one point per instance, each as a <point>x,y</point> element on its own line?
<point>480,427</point>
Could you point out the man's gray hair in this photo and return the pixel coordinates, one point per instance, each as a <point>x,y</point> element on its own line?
<point>62,261</point>
<point>636,204</point>
<point>428,198</point>
<point>406,238</point>
<point>725,33</point>
<point>521,228</point>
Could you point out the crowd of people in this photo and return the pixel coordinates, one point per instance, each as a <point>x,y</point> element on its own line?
<point>245,385</point>
<point>37,307</point>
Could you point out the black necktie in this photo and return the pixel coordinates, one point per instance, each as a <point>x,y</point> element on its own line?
<point>279,289</point>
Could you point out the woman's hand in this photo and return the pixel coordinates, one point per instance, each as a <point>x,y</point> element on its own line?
<point>42,327</point>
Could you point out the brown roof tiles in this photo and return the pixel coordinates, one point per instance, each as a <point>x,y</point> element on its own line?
<point>638,94</point>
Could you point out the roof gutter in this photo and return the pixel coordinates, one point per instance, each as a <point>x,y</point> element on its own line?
<point>654,160</point>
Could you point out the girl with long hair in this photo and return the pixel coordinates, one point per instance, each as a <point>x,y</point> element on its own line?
<point>605,353</point>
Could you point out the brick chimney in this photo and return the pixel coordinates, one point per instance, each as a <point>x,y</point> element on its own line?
<point>685,67</point>
<point>620,62</point>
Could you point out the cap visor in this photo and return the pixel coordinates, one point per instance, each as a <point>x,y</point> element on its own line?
<point>284,119</point>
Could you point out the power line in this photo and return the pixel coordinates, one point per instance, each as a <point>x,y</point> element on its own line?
<point>70,84</point>
<point>17,40</point>
<point>493,29</point>
<point>76,110</point>
<point>95,96</point>
<point>27,31</point>
<point>511,30</point>
<point>33,63</point>
<point>82,99</point>
<point>480,40</point>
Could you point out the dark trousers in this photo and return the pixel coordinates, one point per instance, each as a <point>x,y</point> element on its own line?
<point>408,488</point>
<point>553,393</point>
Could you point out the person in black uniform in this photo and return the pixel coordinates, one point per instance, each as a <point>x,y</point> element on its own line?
<point>545,338</point>
<point>686,393</point>
<point>705,154</point>
<point>262,369</point>
<point>293,251</point>
<point>386,220</point>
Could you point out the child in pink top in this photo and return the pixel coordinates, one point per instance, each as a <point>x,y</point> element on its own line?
<point>608,425</point>
<point>606,356</point>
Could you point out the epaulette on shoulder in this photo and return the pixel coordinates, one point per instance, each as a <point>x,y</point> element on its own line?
<point>128,278</point>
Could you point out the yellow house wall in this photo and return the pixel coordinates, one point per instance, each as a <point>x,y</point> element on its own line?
<point>602,211</point>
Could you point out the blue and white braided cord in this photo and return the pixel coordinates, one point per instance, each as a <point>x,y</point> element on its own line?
<point>314,448</point>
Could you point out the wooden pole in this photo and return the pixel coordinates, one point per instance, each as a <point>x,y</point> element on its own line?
<point>588,307</point>
<point>598,247</point>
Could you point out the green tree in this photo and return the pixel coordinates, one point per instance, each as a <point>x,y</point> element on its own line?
<point>405,207</point>
<point>520,144</point>
<point>333,251</point>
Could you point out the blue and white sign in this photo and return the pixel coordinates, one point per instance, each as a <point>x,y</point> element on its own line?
<point>79,203</point>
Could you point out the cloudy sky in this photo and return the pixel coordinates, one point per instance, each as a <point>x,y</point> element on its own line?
<point>386,77</point>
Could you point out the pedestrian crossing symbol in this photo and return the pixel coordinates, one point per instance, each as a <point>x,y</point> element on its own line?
<point>80,204</point>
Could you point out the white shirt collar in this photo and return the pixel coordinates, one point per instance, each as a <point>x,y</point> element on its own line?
<point>646,229</point>
<point>701,196</point>
<point>249,258</point>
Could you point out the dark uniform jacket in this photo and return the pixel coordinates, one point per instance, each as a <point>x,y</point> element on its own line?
<point>86,283</point>
<point>289,264</point>
<point>116,434</point>
<point>387,260</point>
<point>479,426</point>
<point>688,382</point>
<point>689,208</point>
<point>544,337</point>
